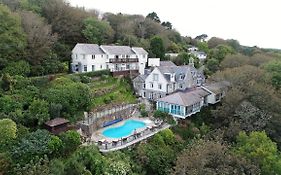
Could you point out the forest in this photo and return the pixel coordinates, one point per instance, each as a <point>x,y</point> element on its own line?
<point>241,135</point>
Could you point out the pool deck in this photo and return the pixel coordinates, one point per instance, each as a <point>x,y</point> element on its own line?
<point>134,141</point>
<point>107,144</point>
<point>97,135</point>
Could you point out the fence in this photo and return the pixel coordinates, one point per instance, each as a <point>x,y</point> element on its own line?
<point>94,121</point>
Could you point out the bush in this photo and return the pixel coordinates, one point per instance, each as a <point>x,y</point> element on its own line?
<point>96,73</point>
<point>71,141</point>
<point>18,68</point>
<point>144,113</point>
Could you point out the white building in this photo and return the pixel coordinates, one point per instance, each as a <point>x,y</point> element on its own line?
<point>183,104</point>
<point>120,60</point>
<point>199,54</point>
<point>166,79</point>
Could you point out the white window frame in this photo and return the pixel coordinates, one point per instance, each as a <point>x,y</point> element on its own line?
<point>155,77</point>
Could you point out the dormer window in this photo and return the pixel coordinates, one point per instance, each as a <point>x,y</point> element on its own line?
<point>181,77</point>
<point>116,56</point>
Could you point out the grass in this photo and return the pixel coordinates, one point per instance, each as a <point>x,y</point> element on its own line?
<point>110,90</point>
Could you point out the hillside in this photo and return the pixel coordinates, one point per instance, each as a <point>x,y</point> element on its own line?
<point>239,135</point>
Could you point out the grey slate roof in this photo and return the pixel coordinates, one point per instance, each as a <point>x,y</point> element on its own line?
<point>217,87</point>
<point>177,70</point>
<point>91,49</point>
<point>185,98</point>
<point>118,50</point>
<point>139,50</point>
<point>167,63</point>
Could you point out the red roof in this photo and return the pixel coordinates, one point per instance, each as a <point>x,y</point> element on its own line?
<point>56,122</point>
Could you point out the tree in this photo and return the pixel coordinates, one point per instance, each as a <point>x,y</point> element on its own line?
<point>33,145</point>
<point>72,96</point>
<point>214,42</point>
<point>201,37</point>
<point>258,147</point>
<point>87,159</point>
<point>158,155</point>
<point>274,68</point>
<point>8,132</point>
<point>157,47</point>
<point>66,21</point>
<point>211,157</point>
<point>212,65</point>
<point>71,141</point>
<point>39,37</point>
<point>99,32</point>
<point>12,37</point>
<point>167,25</point>
<point>153,16</point>
<point>203,46</point>
<point>18,68</point>
<point>38,111</point>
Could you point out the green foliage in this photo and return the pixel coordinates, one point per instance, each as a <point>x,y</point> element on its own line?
<point>153,16</point>
<point>39,111</point>
<point>144,113</point>
<point>18,68</point>
<point>34,167</point>
<point>55,145</point>
<point>98,32</point>
<point>258,147</point>
<point>211,157</point>
<point>12,38</point>
<point>71,140</point>
<point>72,96</point>
<point>203,46</point>
<point>8,132</point>
<point>158,155</point>
<point>87,158</point>
<point>274,68</point>
<point>32,145</point>
<point>157,47</point>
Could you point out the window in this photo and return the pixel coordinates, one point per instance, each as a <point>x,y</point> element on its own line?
<point>93,56</point>
<point>107,67</point>
<point>151,85</point>
<point>102,56</point>
<point>128,66</point>
<point>100,66</point>
<point>84,56</point>
<point>76,56</point>
<point>144,85</point>
<point>93,67</point>
<point>155,77</point>
<point>181,86</point>
<point>159,86</point>
<point>181,77</point>
<point>85,68</point>
<point>116,56</point>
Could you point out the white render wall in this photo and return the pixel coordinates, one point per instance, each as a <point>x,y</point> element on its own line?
<point>99,61</point>
<point>161,80</point>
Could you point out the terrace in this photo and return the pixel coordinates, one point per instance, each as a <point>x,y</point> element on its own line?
<point>108,144</point>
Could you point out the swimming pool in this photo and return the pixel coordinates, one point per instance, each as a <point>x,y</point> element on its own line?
<point>125,130</point>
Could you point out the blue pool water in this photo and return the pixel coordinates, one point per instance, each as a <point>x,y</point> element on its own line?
<point>122,131</point>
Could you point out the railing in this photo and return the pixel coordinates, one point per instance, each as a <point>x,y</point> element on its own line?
<point>124,69</point>
<point>123,60</point>
<point>122,143</point>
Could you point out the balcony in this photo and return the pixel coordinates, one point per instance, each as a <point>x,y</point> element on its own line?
<point>123,60</point>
